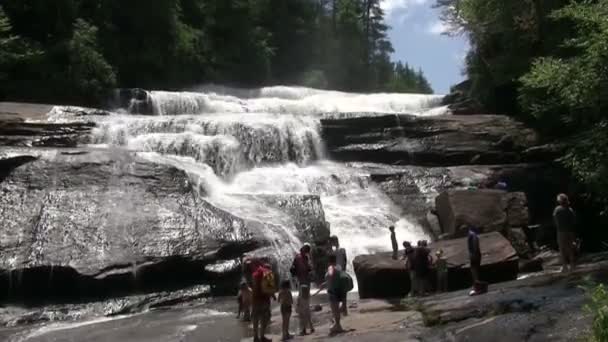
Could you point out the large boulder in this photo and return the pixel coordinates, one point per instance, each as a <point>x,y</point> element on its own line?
<point>428,140</point>
<point>488,209</point>
<point>379,276</point>
<point>88,222</point>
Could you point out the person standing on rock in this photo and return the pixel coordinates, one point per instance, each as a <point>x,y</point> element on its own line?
<point>422,266</point>
<point>565,222</point>
<point>441,267</point>
<point>394,243</point>
<point>262,288</point>
<point>410,261</point>
<point>301,268</point>
<point>336,295</point>
<point>341,262</point>
<point>474,254</point>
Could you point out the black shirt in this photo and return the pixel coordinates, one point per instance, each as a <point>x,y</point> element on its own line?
<point>565,219</point>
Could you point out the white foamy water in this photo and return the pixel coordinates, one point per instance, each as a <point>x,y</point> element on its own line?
<point>238,144</point>
<point>290,100</point>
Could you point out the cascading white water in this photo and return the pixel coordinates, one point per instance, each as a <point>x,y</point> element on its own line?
<point>268,141</point>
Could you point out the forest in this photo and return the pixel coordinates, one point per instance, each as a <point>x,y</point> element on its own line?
<point>77,51</point>
<point>546,63</point>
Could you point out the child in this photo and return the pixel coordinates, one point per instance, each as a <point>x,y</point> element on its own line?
<point>286,301</point>
<point>244,299</point>
<point>441,266</point>
<point>304,310</point>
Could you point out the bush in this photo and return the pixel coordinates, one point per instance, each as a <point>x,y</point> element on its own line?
<point>598,308</point>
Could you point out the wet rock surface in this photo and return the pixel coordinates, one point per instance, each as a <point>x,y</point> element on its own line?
<point>94,222</point>
<point>379,276</point>
<point>428,141</point>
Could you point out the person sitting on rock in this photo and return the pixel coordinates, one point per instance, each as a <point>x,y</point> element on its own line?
<point>394,244</point>
<point>565,221</point>
<point>244,300</point>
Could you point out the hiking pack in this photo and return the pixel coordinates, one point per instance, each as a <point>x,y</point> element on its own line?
<point>269,285</point>
<point>344,282</point>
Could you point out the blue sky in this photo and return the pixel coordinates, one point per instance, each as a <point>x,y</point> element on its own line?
<point>417,39</point>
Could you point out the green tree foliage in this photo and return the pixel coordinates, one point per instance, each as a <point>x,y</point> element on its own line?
<point>546,61</point>
<point>340,44</point>
<point>597,307</point>
<point>505,37</point>
<point>13,49</point>
<point>88,74</point>
<point>406,80</point>
<point>569,91</point>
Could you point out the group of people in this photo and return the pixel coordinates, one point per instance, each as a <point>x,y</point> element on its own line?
<point>259,287</point>
<point>419,263</point>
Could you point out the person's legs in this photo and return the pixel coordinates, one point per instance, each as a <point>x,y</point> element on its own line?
<point>303,322</point>
<point>571,251</point>
<point>413,284</point>
<point>264,320</point>
<point>286,316</point>
<point>255,313</point>
<point>309,319</point>
<point>444,282</point>
<point>564,244</point>
<point>344,307</point>
<point>334,304</point>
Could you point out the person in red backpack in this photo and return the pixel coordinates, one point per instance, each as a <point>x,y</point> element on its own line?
<point>260,302</point>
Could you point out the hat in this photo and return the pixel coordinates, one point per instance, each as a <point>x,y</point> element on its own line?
<point>439,252</point>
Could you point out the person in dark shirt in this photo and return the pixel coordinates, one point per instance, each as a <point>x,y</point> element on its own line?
<point>410,260</point>
<point>565,222</point>
<point>474,253</point>
<point>422,266</point>
<point>394,244</point>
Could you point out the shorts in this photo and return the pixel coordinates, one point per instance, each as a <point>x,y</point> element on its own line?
<point>337,297</point>
<point>286,310</point>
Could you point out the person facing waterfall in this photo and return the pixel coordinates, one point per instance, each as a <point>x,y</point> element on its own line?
<point>341,262</point>
<point>263,282</point>
<point>394,243</point>
<point>565,221</point>
<point>301,268</point>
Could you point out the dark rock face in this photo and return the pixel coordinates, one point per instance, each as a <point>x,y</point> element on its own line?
<point>95,223</point>
<point>428,141</point>
<point>34,134</point>
<point>489,210</point>
<point>379,276</point>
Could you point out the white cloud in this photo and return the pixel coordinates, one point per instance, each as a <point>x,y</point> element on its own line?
<point>437,27</point>
<point>391,7</point>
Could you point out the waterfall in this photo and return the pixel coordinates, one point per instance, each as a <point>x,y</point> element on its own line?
<point>239,144</point>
